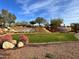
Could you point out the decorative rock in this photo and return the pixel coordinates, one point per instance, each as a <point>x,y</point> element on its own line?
<point>20,44</point>
<point>1,31</point>
<point>7,45</point>
<point>14,41</point>
<point>5,29</point>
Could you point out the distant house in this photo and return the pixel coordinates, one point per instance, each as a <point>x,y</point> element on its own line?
<point>75,27</point>
<point>64,28</point>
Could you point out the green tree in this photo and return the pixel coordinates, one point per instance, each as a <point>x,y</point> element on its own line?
<point>46,24</point>
<point>7,17</point>
<point>11,18</point>
<point>1,20</point>
<point>40,20</point>
<point>54,23</point>
<point>32,22</point>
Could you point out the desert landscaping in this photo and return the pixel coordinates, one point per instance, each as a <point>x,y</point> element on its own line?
<point>39,29</point>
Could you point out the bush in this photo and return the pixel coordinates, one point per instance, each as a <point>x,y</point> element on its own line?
<point>6,37</point>
<point>23,38</point>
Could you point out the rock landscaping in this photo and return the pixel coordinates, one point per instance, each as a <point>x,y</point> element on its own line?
<point>7,41</point>
<point>66,50</point>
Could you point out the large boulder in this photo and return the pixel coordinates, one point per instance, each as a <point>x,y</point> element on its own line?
<point>7,45</point>
<point>20,44</point>
<point>13,41</point>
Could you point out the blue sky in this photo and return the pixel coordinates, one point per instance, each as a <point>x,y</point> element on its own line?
<point>27,10</point>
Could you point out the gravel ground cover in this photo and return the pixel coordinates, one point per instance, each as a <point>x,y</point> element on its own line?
<point>63,50</point>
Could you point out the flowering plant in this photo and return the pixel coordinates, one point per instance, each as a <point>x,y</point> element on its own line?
<point>7,42</point>
<point>7,37</point>
<point>23,37</point>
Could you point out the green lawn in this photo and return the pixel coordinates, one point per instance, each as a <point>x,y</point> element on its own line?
<point>54,37</point>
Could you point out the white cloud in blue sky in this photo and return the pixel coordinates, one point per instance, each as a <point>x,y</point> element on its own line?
<point>66,9</point>
<point>49,9</point>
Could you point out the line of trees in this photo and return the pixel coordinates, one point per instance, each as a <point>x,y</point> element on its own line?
<point>54,23</point>
<point>6,18</point>
<point>9,18</point>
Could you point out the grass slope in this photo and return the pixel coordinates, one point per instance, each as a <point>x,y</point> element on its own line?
<point>53,37</point>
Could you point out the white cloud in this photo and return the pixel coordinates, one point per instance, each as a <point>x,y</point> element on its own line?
<point>71,13</point>
<point>22,1</point>
<point>46,4</point>
<point>39,5</point>
<point>53,8</point>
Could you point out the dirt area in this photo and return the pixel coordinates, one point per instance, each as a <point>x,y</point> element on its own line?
<point>67,50</point>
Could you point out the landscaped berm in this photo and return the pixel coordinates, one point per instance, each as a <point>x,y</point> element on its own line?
<point>39,46</point>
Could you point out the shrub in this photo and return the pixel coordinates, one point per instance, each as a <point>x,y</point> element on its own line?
<point>24,38</point>
<point>6,37</point>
